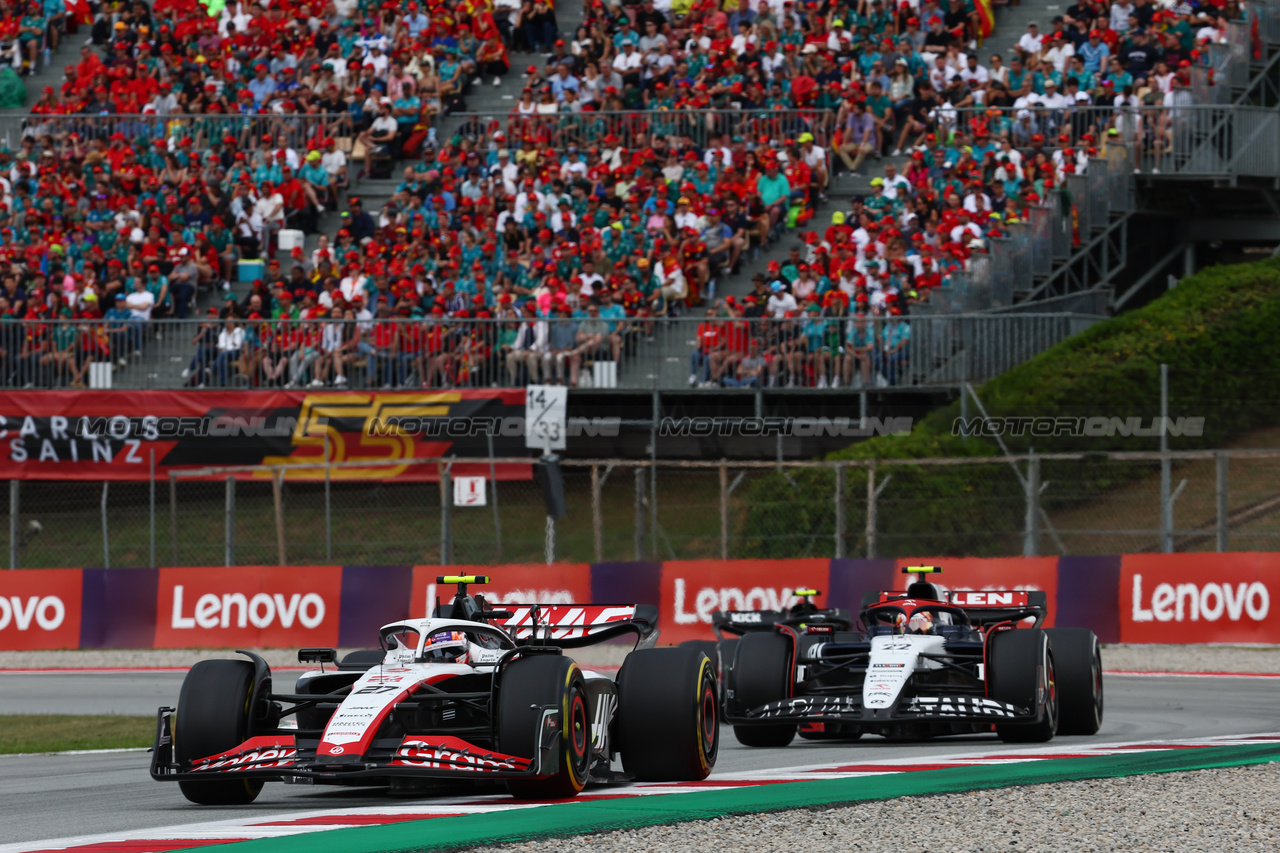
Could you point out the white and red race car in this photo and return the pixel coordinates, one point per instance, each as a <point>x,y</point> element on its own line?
<point>468,693</point>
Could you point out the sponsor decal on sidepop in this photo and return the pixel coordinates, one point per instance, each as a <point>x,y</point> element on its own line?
<point>214,611</point>
<point>46,612</point>
<point>1187,602</point>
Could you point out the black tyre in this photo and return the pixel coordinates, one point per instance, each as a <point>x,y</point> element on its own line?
<point>760,674</point>
<point>1021,672</point>
<point>1077,661</point>
<point>668,713</point>
<point>527,685</point>
<point>213,717</point>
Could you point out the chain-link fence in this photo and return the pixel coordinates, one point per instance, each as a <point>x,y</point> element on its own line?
<point>1029,504</point>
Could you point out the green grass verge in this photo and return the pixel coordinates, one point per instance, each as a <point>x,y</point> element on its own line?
<point>59,732</point>
<point>1219,333</point>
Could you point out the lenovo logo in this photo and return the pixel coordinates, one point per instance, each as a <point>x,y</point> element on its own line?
<point>46,612</point>
<point>707,600</point>
<point>238,610</point>
<point>1210,602</point>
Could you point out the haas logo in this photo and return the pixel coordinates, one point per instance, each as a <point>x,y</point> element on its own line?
<point>47,612</point>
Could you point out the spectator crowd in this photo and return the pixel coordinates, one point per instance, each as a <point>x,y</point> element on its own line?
<point>650,153</point>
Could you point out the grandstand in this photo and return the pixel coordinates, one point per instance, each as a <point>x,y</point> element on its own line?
<point>672,195</point>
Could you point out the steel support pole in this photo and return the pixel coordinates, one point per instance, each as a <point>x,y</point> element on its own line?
<point>839,499</point>
<point>1166,468</point>
<point>106,536</point>
<point>229,534</point>
<point>493,499</point>
<point>1222,486</point>
<point>597,513</point>
<point>446,518</point>
<point>724,511</point>
<point>639,522</point>
<point>151,514</point>
<point>277,498</point>
<point>14,496</point>
<point>173,516</point>
<point>871,510</point>
<point>1031,533</point>
<point>328,504</point>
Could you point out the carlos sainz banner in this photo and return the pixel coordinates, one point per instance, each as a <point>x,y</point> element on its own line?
<point>112,435</point>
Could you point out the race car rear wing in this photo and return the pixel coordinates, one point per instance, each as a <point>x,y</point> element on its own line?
<point>983,607</point>
<point>571,626</point>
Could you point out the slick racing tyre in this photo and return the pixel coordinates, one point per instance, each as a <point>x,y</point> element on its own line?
<point>668,712</point>
<point>1077,660</point>
<point>527,685</point>
<point>759,675</point>
<point>714,649</point>
<point>213,717</point>
<point>1021,672</point>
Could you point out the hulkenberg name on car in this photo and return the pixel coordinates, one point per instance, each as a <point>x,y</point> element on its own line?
<point>467,690</point>
<point>916,662</point>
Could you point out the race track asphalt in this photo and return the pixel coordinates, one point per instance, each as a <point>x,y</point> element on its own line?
<point>54,796</point>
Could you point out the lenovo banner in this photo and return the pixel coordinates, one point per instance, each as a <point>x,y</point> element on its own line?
<point>112,435</point>
<point>562,583</point>
<point>260,606</point>
<point>40,609</point>
<point>1199,598</point>
<point>691,590</point>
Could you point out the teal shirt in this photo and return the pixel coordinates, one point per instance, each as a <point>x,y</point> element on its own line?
<point>773,190</point>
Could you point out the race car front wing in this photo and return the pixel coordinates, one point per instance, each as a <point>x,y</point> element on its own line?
<point>848,708</point>
<point>280,755</point>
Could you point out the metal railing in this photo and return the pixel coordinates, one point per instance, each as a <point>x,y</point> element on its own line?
<point>640,353</point>
<point>204,129</point>
<point>627,509</point>
<point>635,128</point>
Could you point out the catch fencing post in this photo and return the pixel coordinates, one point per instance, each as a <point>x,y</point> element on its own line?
<point>446,526</point>
<point>724,511</point>
<point>277,497</point>
<point>1031,535</point>
<point>106,537</point>
<point>839,496</point>
<point>229,534</point>
<point>493,499</point>
<point>871,510</point>
<point>328,506</point>
<point>151,516</point>
<point>1166,467</point>
<point>1221,459</point>
<point>173,516</point>
<point>639,523</point>
<point>597,513</point>
<point>13,523</point>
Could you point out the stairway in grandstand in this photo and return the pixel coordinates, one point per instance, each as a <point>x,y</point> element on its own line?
<point>46,74</point>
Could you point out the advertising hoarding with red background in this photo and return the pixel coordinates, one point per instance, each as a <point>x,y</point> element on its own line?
<point>1199,598</point>
<point>40,609</point>
<point>981,573</point>
<point>261,606</point>
<point>690,590</point>
<point>110,435</point>
<point>561,583</point>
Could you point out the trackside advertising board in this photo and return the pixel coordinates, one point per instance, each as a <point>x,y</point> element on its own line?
<point>1132,598</point>
<point>112,435</point>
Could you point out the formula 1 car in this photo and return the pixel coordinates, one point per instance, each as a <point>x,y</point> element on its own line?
<point>736,623</point>
<point>469,693</point>
<point>923,664</point>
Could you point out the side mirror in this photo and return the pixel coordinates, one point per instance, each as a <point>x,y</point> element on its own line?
<point>320,656</point>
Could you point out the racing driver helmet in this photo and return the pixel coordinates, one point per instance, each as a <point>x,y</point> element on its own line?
<point>446,647</point>
<point>921,622</point>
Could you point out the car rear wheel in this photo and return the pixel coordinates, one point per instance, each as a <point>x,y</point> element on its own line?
<point>527,685</point>
<point>760,674</point>
<point>1021,672</point>
<point>668,714</point>
<point>1077,659</point>
<point>213,717</point>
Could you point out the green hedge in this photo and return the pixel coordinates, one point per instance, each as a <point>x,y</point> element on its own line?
<point>1219,333</point>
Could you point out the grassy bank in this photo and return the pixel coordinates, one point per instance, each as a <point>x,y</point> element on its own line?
<point>61,732</point>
